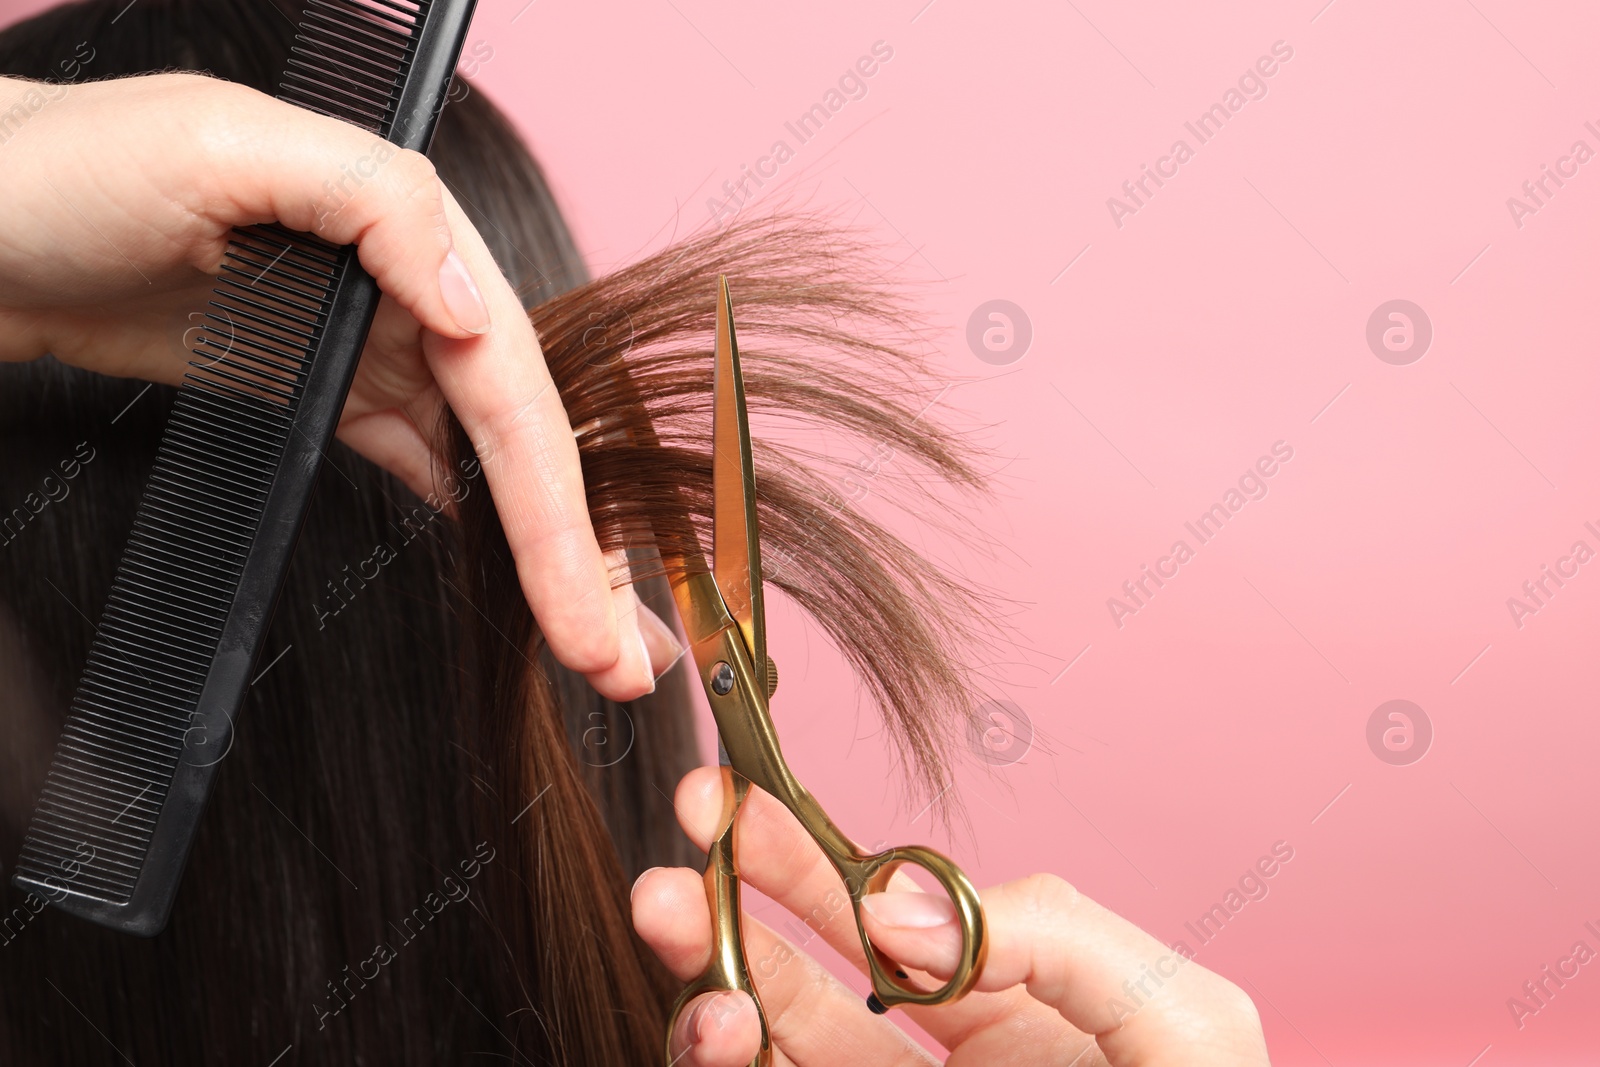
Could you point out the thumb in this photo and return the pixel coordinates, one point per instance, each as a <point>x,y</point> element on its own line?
<point>1145,1003</point>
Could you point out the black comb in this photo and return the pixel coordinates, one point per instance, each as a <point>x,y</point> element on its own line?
<point>216,527</point>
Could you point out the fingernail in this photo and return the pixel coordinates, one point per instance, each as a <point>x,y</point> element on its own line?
<point>911,911</point>
<point>461,296</point>
<point>711,1011</point>
<point>644,654</point>
<point>639,879</point>
<point>668,648</point>
<point>697,1020</point>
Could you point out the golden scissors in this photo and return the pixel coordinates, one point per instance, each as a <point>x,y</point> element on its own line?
<point>725,622</point>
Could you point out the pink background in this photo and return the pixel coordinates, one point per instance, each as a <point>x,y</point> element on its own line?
<point>1228,313</point>
<point>1222,317</point>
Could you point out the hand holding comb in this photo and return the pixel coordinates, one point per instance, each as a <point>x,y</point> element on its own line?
<point>216,527</point>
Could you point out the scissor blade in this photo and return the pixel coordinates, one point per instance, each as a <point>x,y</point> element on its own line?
<point>736,537</point>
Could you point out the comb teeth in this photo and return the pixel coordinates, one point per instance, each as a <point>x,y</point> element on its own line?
<point>136,713</point>
<point>345,50</point>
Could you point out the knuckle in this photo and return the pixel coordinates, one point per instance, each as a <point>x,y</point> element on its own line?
<point>417,180</point>
<point>1211,1011</point>
<point>1045,894</point>
<point>815,984</point>
<point>504,423</point>
<point>415,169</point>
<point>222,111</point>
<point>189,83</point>
<point>802,863</point>
<point>1237,1005</point>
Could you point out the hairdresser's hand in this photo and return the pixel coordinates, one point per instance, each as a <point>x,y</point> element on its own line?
<point>119,196</point>
<point>1067,982</point>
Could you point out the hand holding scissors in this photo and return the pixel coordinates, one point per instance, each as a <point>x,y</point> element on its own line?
<point>724,620</point>
<point>1066,982</point>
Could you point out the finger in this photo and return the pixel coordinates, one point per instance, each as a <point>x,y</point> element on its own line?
<point>267,160</point>
<point>666,648</point>
<point>499,388</point>
<point>813,1018</point>
<point>392,441</point>
<point>21,337</point>
<point>717,1030</point>
<point>264,160</point>
<point>778,857</point>
<point>1003,1027</point>
<point>992,1026</point>
<point>393,408</point>
<point>633,666</point>
<point>1000,1023</point>
<point>659,639</point>
<point>672,916</point>
<point>1106,977</point>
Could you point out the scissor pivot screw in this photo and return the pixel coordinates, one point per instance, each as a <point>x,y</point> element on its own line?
<point>722,679</point>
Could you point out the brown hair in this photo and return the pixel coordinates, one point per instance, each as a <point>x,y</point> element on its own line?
<point>630,354</point>
<point>422,844</point>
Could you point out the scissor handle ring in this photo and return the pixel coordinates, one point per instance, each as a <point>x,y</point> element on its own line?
<point>888,988</point>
